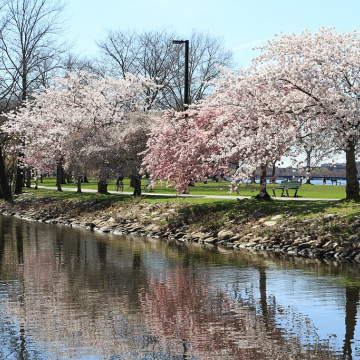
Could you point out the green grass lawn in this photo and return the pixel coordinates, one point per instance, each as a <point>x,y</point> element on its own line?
<point>213,188</point>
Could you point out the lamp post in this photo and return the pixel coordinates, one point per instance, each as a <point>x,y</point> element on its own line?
<point>186,86</point>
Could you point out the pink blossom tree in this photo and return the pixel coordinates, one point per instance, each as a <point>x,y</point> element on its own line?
<point>238,124</point>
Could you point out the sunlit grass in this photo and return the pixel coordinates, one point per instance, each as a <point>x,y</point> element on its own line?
<point>218,188</point>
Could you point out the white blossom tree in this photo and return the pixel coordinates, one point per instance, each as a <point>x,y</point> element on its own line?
<point>320,73</point>
<point>302,87</point>
<point>79,120</point>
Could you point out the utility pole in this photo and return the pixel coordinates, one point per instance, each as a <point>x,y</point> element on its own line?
<point>186,86</point>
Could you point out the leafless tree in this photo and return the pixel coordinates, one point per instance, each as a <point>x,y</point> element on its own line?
<point>29,51</point>
<point>152,54</point>
<point>75,63</point>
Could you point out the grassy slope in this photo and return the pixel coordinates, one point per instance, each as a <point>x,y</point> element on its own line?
<point>206,208</point>
<point>216,212</point>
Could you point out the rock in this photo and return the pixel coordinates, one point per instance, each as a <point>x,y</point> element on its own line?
<point>357,258</point>
<point>209,240</point>
<point>104,230</point>
<point>199,235</point>
<point>256,215</point>
<point>354,238</point>
<point>331,245</point>
<point>316,252</point>
<point>134,227</point>
<point>91,225</point>
<point>152,227</point>
<point>270,223</point>
<point>293,252</point>
<point>304,252</point>
<point>234,238</point>
<point>182,229</point>
<point>276,217</point>
<point>251,244</point>
<point>225,234</point>
<point>179,235</point>
<point>329,254</point>
<point>118,232</point>
<point>339,254</point>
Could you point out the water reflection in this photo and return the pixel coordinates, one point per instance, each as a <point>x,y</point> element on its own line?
<point>72,294</point>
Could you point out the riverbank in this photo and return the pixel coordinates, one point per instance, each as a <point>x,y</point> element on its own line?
<point>306,229</point>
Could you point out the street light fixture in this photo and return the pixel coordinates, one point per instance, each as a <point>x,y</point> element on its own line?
<point>186,86</point>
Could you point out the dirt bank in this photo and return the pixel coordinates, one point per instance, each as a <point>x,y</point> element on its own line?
<point>324,236</point>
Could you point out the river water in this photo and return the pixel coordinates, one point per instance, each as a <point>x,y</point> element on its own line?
<point>75,294</point>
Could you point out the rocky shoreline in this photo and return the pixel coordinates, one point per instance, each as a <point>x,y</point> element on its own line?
<point>328,236</point>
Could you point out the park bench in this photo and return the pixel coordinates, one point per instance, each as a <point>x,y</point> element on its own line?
<point>147,186</point>
<point>335,181</point>
<point>286,185</point>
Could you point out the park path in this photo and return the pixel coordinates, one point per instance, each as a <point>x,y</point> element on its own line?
<point>228,197</point>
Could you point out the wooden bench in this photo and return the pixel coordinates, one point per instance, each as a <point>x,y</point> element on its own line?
<point>335,181</point>
<point>286,185</point>
<point>147,186</point>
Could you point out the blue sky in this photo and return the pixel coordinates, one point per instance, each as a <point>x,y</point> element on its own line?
<point>242,24</point>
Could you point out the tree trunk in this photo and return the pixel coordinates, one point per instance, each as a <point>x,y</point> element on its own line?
<point>19,181</point>
<point>102,187</point>
<point>252,179</point>
<point>263,193</point>
<point>135,182</point>
<point>28,178</point>
<point>4,184</point>
<point>352,184</point>
<point>308,166</point>
<point>273,172</point>
<point>79,184</point>
<point>352,302</point>
<point>62,175</point>
<point>58,176</point>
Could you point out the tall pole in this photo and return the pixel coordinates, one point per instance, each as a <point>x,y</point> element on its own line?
<point>186,90</point>
<point>186,83</point>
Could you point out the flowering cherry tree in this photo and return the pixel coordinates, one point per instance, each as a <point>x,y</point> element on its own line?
<point>238,124</point>
<point>79,119</point>
<point>320,73</point>
<point>302,88</point>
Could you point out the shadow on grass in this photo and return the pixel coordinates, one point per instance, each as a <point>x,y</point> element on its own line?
<point>220,213</point>
<point>207,211</point>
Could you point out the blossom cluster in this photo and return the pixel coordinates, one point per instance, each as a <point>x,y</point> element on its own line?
<point>86,122</point>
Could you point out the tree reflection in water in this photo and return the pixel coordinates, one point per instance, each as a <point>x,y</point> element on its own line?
<point>352,302</point>
<point>73,294</point>
<point>192,318</point>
